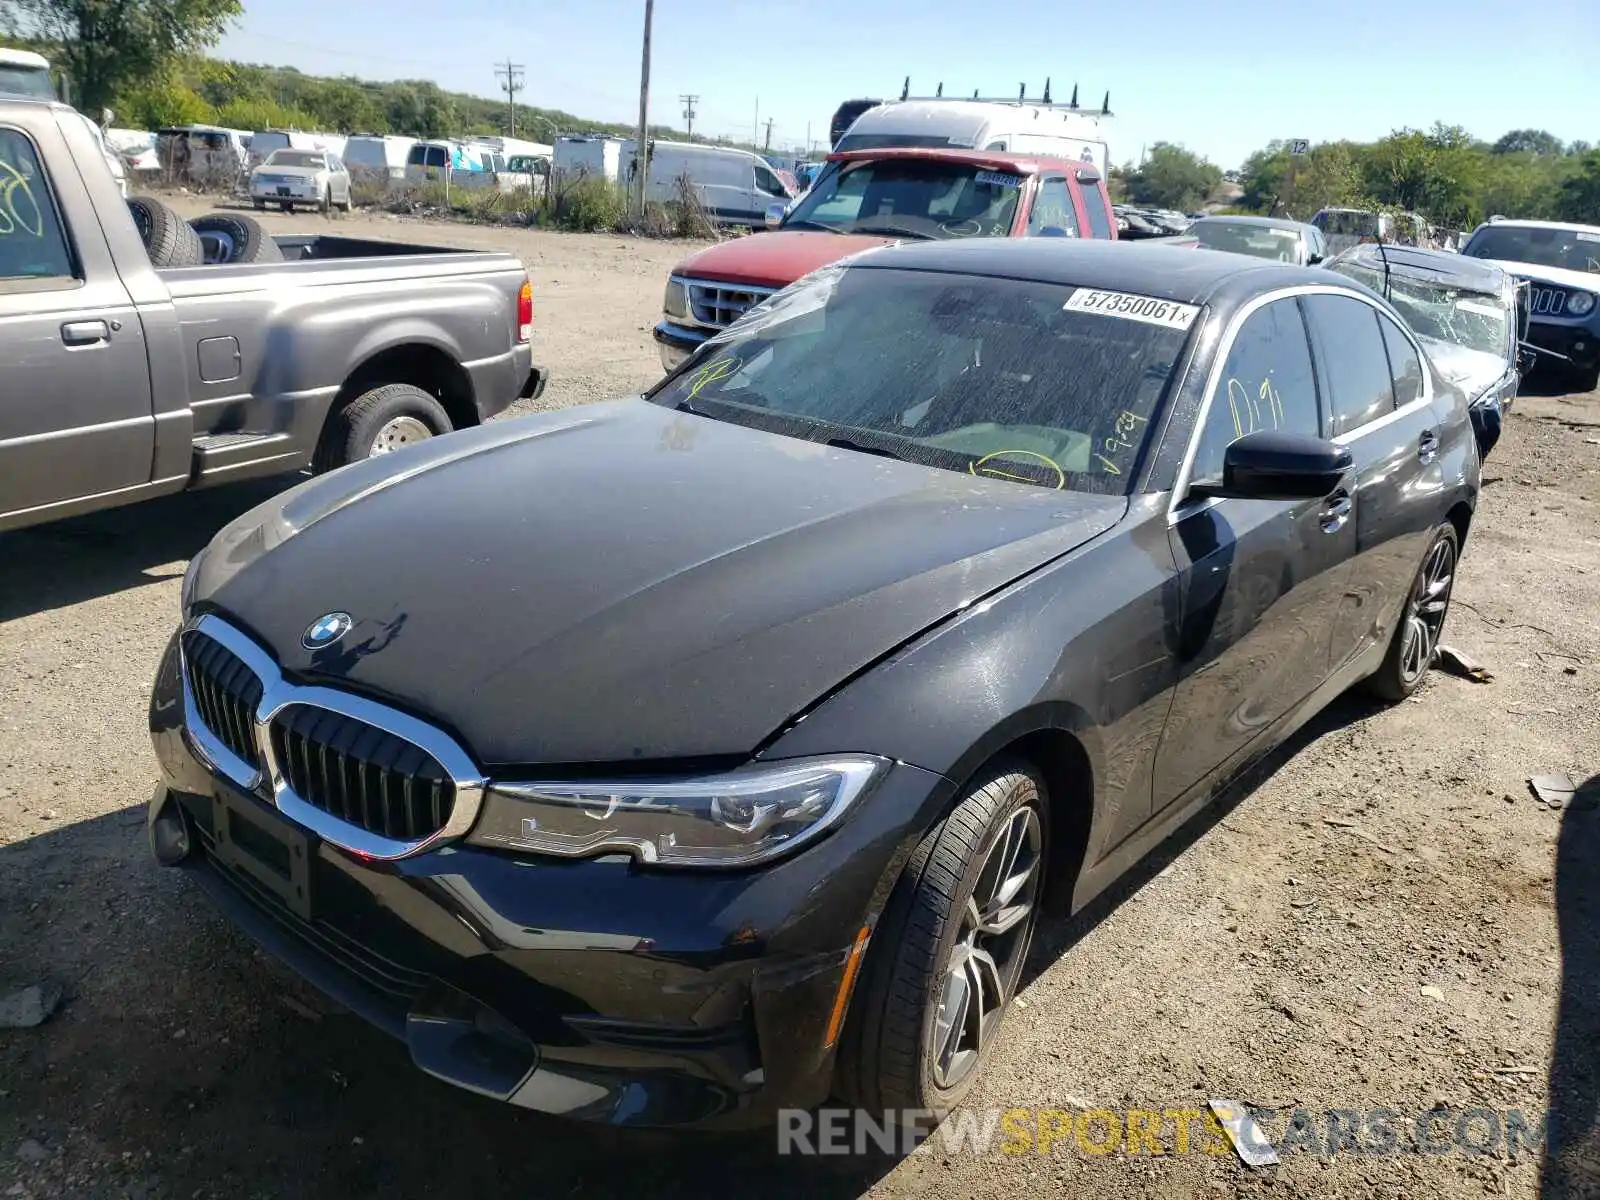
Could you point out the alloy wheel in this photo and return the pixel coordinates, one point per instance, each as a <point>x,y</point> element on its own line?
<point>986,959</point>
<point>1425,613</point>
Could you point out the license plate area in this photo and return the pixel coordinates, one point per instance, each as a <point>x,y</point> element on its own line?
<point>283,191</point>
<point>272,852</point>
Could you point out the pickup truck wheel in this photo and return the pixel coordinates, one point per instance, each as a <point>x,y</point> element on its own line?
<point>229,238</point>
<point>944,962</point>
<point>380,421</point>
<point>167,237</point>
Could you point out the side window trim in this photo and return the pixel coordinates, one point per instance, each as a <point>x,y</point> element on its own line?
<point>1178,499</point>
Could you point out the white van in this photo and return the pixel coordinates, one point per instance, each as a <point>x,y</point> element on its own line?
<point>378,153</point>
<point>597,155</point>
<point>735,187</point>
<point>1018,126</point>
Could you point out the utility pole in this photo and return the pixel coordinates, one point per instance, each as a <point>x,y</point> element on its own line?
<point>641,156</point>
<point>768,145</point>
<point>688,113</point>
<point>755,124</point>
<point>510,76</point>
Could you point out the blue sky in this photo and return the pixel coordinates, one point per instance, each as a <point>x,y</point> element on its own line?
<point>1222,79</point>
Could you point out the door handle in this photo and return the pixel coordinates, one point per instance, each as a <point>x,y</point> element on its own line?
<point>85,333</point>
<point>1335,512</point>
<point>1428,446</point>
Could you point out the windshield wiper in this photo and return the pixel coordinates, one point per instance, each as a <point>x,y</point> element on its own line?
<point>893,231</point>
<point>807,224</point>
<point>844,443</point>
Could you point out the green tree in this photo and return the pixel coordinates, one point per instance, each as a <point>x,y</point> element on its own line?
<point>1172,177</point>
<point>1263,178</point>
<point>1580,193</point>
<point>160,104</point>
<point>1528,141</point>
<point>111,45</point>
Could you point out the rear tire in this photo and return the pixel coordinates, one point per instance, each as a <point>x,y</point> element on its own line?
<point>167,237</point>
<point>231,238</point>
<point>1416,638</point>
<point>914,1039</point>
<point>378,421</point>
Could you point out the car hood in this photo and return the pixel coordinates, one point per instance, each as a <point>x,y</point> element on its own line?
<point>624,582</point>
<point>775,259</point>
<point>1583,281</point>
<point>1473,371</point>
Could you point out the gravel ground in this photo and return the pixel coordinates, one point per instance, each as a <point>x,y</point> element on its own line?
<point>1387,919</point>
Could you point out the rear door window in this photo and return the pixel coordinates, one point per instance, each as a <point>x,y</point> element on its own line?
<point>1405,367</point>
<point>1355,364</point>
<point>33,245</point>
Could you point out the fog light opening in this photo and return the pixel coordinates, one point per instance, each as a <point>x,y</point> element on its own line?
<point>170,839</point>
<point>847,983</point>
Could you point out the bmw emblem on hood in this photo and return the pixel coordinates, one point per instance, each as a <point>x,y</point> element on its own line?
<point>326,630</point>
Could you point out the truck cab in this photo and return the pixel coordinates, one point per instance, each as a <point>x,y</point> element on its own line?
<point>868,198</point>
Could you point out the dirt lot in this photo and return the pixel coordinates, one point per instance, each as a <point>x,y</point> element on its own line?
<point>1389,919</point>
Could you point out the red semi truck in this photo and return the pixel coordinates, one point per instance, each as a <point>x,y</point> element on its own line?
<point>868,198</point>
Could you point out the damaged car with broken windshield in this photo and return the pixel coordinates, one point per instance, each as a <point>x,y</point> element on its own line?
<point>1470,316</point>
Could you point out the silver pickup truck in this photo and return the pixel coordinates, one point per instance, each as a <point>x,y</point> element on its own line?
<point>120,381</point>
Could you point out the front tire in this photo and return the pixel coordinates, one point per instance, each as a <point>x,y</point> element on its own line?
<point>1416,638</point>
<point>948,952</point>
<point>380,421</point>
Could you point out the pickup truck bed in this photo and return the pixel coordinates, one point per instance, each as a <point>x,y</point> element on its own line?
<point>122,381</point>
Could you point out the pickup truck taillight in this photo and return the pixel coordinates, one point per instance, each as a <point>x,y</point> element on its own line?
<point>525,311</point>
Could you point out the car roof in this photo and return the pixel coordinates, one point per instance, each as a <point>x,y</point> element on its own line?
<point>1264,222</point>
<point>1022,164</point>
<point>1507,222</point>
<point>1459,270</point>
<point>1180,274</point>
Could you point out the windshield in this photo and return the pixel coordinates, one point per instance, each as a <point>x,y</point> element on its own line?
<point>1346,222</point>
<point>1260,241</point>
<point>910,197</point>
<point>1039,384</point>
<point>26,81</point>
<point>1572,249</point>
<point>890,141</point>
<point>1465,317</point>
<point>296,158</point>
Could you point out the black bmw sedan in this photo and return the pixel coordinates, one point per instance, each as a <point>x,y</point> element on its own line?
<point>677,759</point>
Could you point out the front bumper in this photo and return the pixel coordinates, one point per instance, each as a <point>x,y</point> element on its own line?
<point>677,342</point>
<point>284,194</point>
<point>593,989</point>
<point>1577,341</point>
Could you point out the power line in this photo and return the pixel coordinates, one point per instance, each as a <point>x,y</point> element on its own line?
<point>688,112</point>
<point>510,76</point>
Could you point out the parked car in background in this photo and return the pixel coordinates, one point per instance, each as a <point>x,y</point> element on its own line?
<point>1561,262</point>
<point>1345,227</point>
<point>595,156</point>
<point>289,178</point>
<point>1061,131</point>
<point>206,156</point>
<point>866,198</point>
<point>735,187</point>
<point>263,142</point>
<point>844,117</point>
<point>1136,223</point>
<point>1275,238</point>
<point>1470,317</point>
<point>384,155</point>
<point>530,172</point>
<point>126,380</point>
<point>456,163</point>
<point>934,596</point>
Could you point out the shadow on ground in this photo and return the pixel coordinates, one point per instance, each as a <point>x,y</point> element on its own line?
<point>1572,1165</point>
<point>66,562</point>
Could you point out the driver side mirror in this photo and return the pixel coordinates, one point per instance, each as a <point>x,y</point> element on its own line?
<point>775,215</point>
<point>1272,464</point>
<point>1313,259</point>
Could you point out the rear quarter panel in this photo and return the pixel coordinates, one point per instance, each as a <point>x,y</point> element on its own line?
<point>304,328</point>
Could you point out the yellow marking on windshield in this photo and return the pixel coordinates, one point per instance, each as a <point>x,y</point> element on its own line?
<point>981,467</point>
<point>14,187</point>
<point>713,372</point>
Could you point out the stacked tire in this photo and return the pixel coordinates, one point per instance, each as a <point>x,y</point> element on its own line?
<point>214,238</point>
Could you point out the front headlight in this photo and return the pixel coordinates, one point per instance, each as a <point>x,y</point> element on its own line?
<point>1580,304</point>
<point>731,820</point>
<point>676,302</point>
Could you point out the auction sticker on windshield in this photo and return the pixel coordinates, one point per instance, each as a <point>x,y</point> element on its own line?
<point>1151,311</point>
<point>998,179</point>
